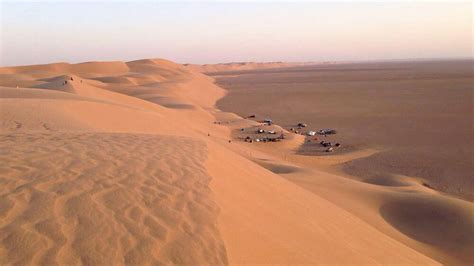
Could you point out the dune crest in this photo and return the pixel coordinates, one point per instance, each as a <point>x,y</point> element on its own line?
<point>82,198</point>
<point>122,163</point>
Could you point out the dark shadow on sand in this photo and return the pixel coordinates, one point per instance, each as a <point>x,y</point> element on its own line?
<point>277,168</point>
<point>434,222</point>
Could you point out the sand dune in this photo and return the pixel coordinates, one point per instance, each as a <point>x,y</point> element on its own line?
<point>124,164</point>
<point>396,191</point>
<point>398,206</point>
<point>420,121</point>
<point>101,198</point>
<point>238,66</point>
<point>284,224</point>
<point>75,191</point>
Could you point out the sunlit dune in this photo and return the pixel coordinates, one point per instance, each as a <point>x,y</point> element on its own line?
<point>132,163</point>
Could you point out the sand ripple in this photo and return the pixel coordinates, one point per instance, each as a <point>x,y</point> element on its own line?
<point>104,198</point>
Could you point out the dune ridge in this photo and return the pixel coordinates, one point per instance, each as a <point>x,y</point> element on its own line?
<point>123,164</point>
<point>238,66</point>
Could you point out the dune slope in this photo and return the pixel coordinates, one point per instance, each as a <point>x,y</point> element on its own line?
<point>121,163</point>
<point>101,198</point>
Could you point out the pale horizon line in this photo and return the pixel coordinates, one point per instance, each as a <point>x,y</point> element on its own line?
<point>418,59</point>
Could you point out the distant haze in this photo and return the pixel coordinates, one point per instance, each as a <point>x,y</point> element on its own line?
<point>211,32</point>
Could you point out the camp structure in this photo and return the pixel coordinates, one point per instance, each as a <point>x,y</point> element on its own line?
<point>302,125</point>
<point>327,131</point>
<point>268,121</point>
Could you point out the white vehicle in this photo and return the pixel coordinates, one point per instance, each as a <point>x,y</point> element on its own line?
<point>311,133</point>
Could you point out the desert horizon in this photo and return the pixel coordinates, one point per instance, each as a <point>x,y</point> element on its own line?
<point>201,67</point>
<point>74,122</point>
<point>236,133</point>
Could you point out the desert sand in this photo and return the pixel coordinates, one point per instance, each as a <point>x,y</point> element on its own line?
<point>225,68</point>
<point>124,163</point>
<point>417,114</point>
<point>406,135</point>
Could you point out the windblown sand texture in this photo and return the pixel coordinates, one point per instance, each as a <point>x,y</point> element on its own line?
<point>123,164</point>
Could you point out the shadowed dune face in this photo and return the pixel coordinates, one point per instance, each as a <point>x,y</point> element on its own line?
<point>277,168</point>
<point>168,102</point>
<point>178,106</point>
<point>434,222</point>
<point>439,171</point>
<point>104,198</point>
<point>386,180</point>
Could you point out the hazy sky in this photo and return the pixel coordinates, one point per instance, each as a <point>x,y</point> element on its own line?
<point>210,32</point>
